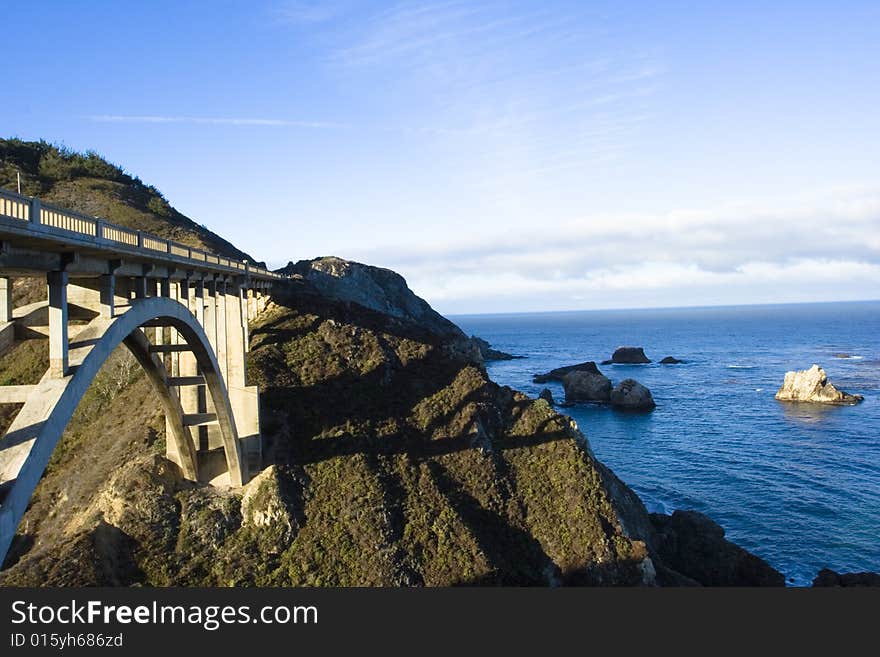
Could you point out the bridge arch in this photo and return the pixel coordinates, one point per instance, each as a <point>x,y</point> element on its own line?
<point>26,448</point>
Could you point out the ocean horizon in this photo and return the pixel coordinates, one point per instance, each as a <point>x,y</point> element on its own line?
<point>797,484</point>
<point>454,317</point>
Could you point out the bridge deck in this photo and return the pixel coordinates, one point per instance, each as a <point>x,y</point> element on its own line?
<point>37,236</point>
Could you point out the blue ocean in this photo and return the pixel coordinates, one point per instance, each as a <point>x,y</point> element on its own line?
<point>797,484</point>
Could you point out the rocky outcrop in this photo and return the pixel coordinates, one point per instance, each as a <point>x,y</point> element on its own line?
<point>547,396</point>
<point>560,372</point>
<point>269,507</point>
<point>694,545</point>
<point>490,354</point>
<point>378,289</point>
<point>385,293</point>
<point>630,395</point>
<point>583,386</point>
<point>628,356</point>
<point>812,385</point>
<point>828,577</point>
<point>671,360</point>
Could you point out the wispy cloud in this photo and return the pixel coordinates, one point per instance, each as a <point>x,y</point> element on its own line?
<point>824,247</point>
<point>516,87</point>
<point>206,120</point>
<point>310,12</point>
<point>408,33</point>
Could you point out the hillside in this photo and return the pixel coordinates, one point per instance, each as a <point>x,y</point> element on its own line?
<point>87,183</point>
<point>391,459</point>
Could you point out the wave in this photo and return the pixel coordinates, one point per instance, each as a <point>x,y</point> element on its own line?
<point>741,367</point>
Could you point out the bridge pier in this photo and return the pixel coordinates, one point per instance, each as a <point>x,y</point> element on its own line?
<point>220,330</point>
<point>107,299</point>
<point>5,299</point>
<point>58,342</point>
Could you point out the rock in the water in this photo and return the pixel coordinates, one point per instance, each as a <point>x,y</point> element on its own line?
<point>694,545</point>
<point>586,386</point>
<point>629,394</point>
<point>812,385</point>
<point>560,372</point>
<point>671,360</point>
<point>828,577</point>
<point>547,396</point>
<point>628,356</point>
<point>488,353</point>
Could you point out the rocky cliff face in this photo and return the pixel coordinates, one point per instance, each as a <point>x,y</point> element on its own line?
<point>374,288</point>
<point>391,459</point>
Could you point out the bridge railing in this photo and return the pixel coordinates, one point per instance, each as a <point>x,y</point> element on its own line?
<point>32,211</point>
<point>14,206</point>
<point>118,234</point>
<point>67,220</point>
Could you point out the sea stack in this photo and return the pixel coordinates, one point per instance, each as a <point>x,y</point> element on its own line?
<point>630,395</point>
<point>628,356</point>
<point>812,385</point>
<point>559,373</point>
<point>584,386</point>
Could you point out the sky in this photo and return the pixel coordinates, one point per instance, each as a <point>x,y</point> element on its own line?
<point>503,156</point>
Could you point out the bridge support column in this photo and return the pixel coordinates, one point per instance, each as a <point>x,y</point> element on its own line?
<point>173,335</point>
<point>198,307</point>
<point>140,287</point>
<point>5,299</point>
<point>58,343</point>
<point>220,299</point>
<point>200,393</point>
<point>122,290</point>
<point>245,400</point>
<point>107,287</point>
<point>211,437</point>
<point>189,395</point>
<point>182,364</point>
<point>249,299</point>
<point>210,319</point>
<point>236,336</point>
<point>7,328</point>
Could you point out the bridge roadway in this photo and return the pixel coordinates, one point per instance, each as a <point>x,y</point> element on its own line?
<point>181,311</point>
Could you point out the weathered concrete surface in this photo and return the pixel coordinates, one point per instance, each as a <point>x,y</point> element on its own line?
<point>7,335</point>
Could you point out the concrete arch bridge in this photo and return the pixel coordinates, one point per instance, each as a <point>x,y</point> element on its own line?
<point>182,312</point>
